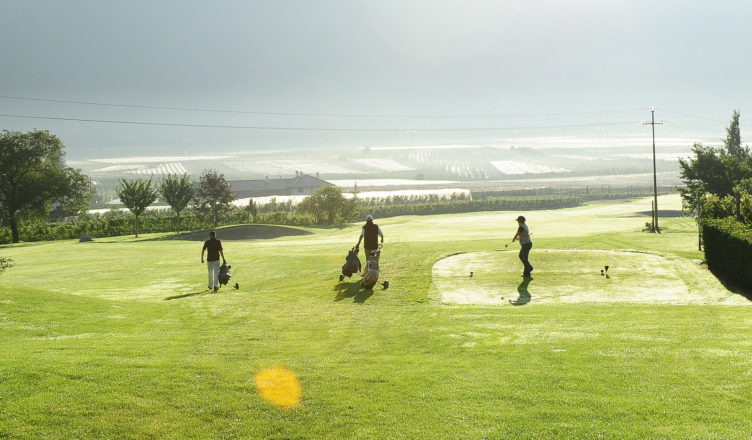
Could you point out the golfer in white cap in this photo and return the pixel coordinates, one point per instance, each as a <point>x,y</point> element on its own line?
<point>370,236</point>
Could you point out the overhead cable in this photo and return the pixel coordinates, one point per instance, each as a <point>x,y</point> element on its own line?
<point>321,129</point>
<point>337,115</point>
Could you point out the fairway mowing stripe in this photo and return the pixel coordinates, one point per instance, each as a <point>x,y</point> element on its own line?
<point>569,276</point>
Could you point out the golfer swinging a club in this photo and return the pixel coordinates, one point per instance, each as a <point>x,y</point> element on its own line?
<point>523,234</point>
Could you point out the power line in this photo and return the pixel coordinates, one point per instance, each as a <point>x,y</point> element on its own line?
<point>691,127</point>
<point>707,130</point>
<point>694,116</point>
<point>337,115</point>
<point>321,129</point>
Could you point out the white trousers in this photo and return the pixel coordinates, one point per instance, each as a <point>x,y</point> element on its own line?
<point>213,267</point>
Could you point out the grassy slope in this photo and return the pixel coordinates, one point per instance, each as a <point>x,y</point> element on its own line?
<point>115,339</point>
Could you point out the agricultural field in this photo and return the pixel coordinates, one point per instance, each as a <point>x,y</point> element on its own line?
<point>144,170</point>
<point>387,165</point>
<point>508,167</point>
<point>119,338</point>
<point>262,168</point>
<point>446,167</point>
<point>449,162</point>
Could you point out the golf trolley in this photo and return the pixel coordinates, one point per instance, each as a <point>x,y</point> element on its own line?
<point>351,266</point>
<point>371,272</point>
<point>225,275</point>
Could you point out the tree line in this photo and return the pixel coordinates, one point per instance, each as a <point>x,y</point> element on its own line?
<point>34,181</point>
<point>718,189</point>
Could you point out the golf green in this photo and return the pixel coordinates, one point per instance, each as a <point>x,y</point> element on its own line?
<point>119,338</point>
<point>573,276</point>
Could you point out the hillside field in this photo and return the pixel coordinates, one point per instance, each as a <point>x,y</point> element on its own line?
<point>119,338</point>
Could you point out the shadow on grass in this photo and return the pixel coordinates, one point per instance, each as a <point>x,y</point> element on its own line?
<point>731,284</point>
<point>24,244</point>
<point>524,296</point>
<point>352,290</point>
<point>186,295</point>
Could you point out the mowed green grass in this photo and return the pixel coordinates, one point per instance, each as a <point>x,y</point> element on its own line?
<point>119,339</point>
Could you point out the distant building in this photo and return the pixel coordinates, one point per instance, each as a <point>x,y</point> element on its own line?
<point>300,185</point>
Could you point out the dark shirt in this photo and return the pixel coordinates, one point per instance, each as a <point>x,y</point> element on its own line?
<point>371,235</point>
<point>212,246</point>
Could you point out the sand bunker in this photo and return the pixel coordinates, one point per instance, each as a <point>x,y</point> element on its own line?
<point>568,276</point>
<point>246,233</point>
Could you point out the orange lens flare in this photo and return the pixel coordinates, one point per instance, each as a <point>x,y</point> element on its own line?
<point>279,386</point>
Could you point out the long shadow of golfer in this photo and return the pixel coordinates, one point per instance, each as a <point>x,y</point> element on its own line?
<point>524,295</point>
<point>186,295</point>
<point>352,290</point>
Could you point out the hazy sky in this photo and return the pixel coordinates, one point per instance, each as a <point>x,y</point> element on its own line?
<point>371,65</point>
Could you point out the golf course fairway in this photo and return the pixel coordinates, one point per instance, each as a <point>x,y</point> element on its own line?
<point>119,338</point>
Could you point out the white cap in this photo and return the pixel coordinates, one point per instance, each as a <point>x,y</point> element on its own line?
<point>369,217</point>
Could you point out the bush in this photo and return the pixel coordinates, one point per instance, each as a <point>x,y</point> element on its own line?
<point>728,250</point>
<point>5,263</point>
<point>118,223</point>
<point>394,206</point>
<point>717,207</point>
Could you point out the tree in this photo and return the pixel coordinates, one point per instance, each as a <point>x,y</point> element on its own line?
<point>177,192</point>
<point>253,210</point>
<point>717,171</point>
<point>704,173</point>
<point>738,160</point>
<point>733,141</point>
<point>213,196</point>
<point>327,205</point>
<point>136,195</point>
<point>78,194</point>
<point>33,177</point>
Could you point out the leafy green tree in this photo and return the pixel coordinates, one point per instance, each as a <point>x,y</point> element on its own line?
<point>717,171</point>
<point>78,193</point>
<point>137,195</point>
<point>272,206</point>
<point>253,210</point>
<point>33,177</point>
<point>327,205</point>
<point>733,141</point>
<point>213,196</point>
<point>717,207</point>
<point>177,192</point>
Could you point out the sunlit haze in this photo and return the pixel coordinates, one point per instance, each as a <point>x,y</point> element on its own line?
<point>177,77</point>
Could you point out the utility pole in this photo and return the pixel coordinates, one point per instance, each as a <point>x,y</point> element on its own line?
<point>699,223</point>
<point>655,180</point>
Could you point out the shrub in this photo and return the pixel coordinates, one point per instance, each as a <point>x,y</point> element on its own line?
<point>118,223</point>
<point>717,207</point>
<point>728,250</point>
<point>394,206</point>
<point>5,263</point>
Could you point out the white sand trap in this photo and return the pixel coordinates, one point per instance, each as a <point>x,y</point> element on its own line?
<point>573,276</point>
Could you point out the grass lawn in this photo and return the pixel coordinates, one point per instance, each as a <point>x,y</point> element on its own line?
<point>119,339</point>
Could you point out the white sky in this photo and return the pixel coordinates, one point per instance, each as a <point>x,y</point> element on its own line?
<point>446,64</point>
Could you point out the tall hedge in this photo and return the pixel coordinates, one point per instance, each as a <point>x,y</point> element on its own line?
<point>728,250</point>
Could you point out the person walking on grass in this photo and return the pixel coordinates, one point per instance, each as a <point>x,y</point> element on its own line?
<point>370,236</point>
<point>214,250</point>
<point>523,234</point>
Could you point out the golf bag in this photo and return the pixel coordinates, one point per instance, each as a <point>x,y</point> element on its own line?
<point>352,264</point>
<point>225,275</point>
<point>371,274</point>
